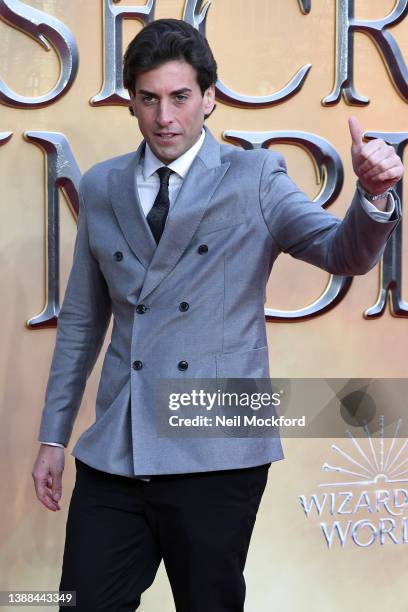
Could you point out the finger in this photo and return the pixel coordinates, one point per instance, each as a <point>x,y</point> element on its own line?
<point>392,175</point>
<point>356,132</point>
<point>49,503</point>
<point>373,145</point>
<point>57,486</point>
<point>374,150</point>
<point>370,148</point>
<point>44,495</point>
<point>381,166</point>
<point>379,160</point>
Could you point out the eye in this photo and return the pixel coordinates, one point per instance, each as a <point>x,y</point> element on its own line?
<point>149,99</point>
<point>181,97</point>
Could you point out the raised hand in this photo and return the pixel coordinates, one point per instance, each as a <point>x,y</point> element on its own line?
<point>375,163</point>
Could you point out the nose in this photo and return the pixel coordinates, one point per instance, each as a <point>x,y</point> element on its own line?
<point>164,114</point>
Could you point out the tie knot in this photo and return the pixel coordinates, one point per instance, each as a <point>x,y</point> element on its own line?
<point>164,175</point>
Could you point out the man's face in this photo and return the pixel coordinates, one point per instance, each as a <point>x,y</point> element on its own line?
<point>170,108</point>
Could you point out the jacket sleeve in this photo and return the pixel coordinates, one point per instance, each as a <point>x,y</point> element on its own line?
<point>82,324</point>
<point>308,232</point>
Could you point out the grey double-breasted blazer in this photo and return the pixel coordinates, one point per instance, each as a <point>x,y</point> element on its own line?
<point>245,209</point>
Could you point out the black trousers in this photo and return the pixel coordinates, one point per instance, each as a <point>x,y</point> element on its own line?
<point>119,529</point>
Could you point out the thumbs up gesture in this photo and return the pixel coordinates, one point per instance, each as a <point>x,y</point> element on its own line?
<point>375,163</point>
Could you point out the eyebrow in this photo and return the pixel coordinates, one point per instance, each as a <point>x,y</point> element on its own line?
<point>173,93</point>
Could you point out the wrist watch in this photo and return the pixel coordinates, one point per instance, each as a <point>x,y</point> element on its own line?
<point>370,196</point>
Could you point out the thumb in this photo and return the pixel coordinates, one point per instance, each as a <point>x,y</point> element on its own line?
<point>356,131</point>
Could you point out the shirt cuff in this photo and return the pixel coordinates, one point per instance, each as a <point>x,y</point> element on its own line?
<point>52,444</point>
<point>373,212</point>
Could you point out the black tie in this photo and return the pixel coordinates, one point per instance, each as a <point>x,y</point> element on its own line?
<point>158,213</point>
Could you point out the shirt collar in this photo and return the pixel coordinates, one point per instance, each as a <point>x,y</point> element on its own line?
<point>180,165</point>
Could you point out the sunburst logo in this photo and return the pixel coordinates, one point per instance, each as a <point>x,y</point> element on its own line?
<point>382,463</point>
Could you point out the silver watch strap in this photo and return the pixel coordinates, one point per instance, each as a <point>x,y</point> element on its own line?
<point>373,197</point>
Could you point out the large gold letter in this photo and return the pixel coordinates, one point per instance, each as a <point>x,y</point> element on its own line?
<point>42,28</point>
<point>195,13</point>
<point>63,172</point>
<point>329,170</point>
<point>112,90</point>
<point>377,30</point>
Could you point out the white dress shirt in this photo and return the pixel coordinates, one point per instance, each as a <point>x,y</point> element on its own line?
<point>147,179</point>
<point>148,184</point>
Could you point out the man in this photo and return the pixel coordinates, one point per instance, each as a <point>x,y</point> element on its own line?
<point>177,240</point>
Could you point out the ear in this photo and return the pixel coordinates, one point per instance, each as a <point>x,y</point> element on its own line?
<point>209,99</point>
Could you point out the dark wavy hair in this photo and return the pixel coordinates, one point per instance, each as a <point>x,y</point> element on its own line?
<point>164,40</point>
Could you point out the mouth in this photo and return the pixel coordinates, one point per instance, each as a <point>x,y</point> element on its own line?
<point>166,136</point>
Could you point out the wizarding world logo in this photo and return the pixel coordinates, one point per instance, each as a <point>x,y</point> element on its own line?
<point>367,501</point>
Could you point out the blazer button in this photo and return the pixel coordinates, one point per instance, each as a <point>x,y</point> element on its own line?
<point>137,365</point>
<point>141,308</point>
<point>184,306</point>
<point>203,248</point>
<point>118,255</point>
<point>182,365</point>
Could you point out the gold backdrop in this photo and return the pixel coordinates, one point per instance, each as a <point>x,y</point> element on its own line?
<point>259,45</point>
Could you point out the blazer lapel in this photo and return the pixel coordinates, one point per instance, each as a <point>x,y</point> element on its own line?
<point>126,205</point>
<point>197,189</point>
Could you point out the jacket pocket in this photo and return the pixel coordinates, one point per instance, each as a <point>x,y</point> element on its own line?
<point>253,363</point>
<point>225,223</point>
